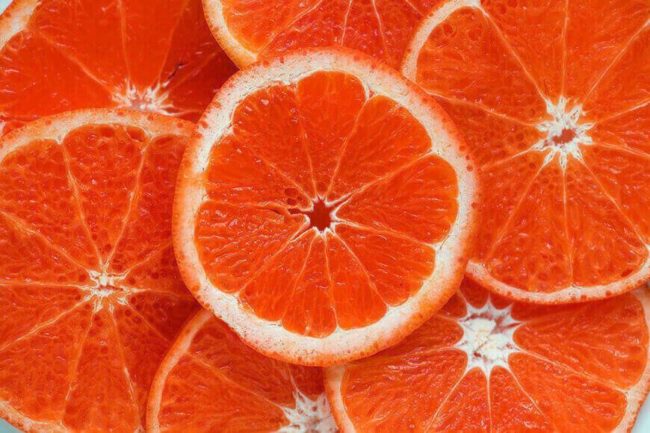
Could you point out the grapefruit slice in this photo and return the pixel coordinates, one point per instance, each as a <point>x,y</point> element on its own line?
<point>556,116</point>
<point>90,296</point>
<point>483,364</point>
<point>212,382</point>
<point>254,29</point>
<point>61,55</point>
<point>324,209</point>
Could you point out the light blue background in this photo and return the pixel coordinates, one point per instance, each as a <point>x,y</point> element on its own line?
<point>642,426</point>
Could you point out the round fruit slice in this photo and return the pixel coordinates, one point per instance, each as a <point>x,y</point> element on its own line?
<point>485,365</point>
<point>253,29</point>
<point>211,382</point>
<point>90,296</point>
<point>556,116</point>
<point>324,209</point>
<point>58,55</point>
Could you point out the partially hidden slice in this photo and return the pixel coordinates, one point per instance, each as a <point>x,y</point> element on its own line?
<point>250,30</point>
<point>60,55</point>
<point>210,381</point>
<point>90,296</point>
<point>324,208</point>
<point>553,100</point>
<point>484,364</point>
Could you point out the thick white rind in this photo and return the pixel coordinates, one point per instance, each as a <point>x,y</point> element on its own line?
<point>240,55</point>
<point>477,272</point>
<point>342,345</point>
<point>15,18</point>
<point>635,395</point>
<point>58,126</point>
<point>175,353</point>
<point>639,392</point>
<point>435,17</point>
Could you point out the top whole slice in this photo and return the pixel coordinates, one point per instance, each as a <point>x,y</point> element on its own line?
<point>553,100</point>
<point>59,55</point>
<point>324,209</point>
<point>90,296</point>
<point>253,29</point>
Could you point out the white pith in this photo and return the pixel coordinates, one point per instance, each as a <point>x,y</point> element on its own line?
<point>309,415</point>
<point>153,99</point>
<point>487,337</point>
<point>15,19</point>
<point>272,338</point>
<point>563,119</point>
<point>635,395</point>
<point>214,13</point>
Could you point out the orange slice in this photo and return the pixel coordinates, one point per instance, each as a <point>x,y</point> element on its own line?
<point>485,365</point>
<point>211,382</point>
<point>253,29</point>
<point>90,296</point>
<point>552,98</point>
<point>324,209</point>
<point>65,55</point>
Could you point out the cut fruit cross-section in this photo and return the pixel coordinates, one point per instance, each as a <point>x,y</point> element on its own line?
<point>58,55</point>
<point>484,364</point>
<point>255,29</point>
<point>324,209</point>
<point>553,98</point>
<point>90,296</point>
<point>210,381</point>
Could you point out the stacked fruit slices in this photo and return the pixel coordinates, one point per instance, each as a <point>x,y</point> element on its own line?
<point>325,210</point>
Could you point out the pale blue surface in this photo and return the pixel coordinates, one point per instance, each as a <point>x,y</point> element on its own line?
<point>642,425</point>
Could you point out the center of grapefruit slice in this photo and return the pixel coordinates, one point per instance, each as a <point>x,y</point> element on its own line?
<point>153,98</point>
<point>487,336</point>
<point>320,216</point>
<point>564,133</point>
<point>310,415</point>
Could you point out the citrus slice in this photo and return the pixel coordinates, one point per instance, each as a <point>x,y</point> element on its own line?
<point>483,364</point>
<point>324,209</point>
<point>90,296</point>
<point>60,55</point>
<point>253,29</point>
<point>556,116</point>
<point>210,381</point>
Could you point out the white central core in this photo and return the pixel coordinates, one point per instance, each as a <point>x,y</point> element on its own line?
<point>487,337</point>
<point>564,133</point>
<point>106,290</point>
<point>309,416</point>
<point>155,99</point>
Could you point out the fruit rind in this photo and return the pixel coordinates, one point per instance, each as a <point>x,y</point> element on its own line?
<point>15,18</point>
<point>451,254</point>
<point>176,351</point>
<point>240,55</point>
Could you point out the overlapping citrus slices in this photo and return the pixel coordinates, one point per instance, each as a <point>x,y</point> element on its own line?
<point>250,30</point>
<point>90,296</point>
<point>552,98</point>
<point>211,382</point>
<point>483,364</point>
<point>324,208</point>
<point>58,55</point>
